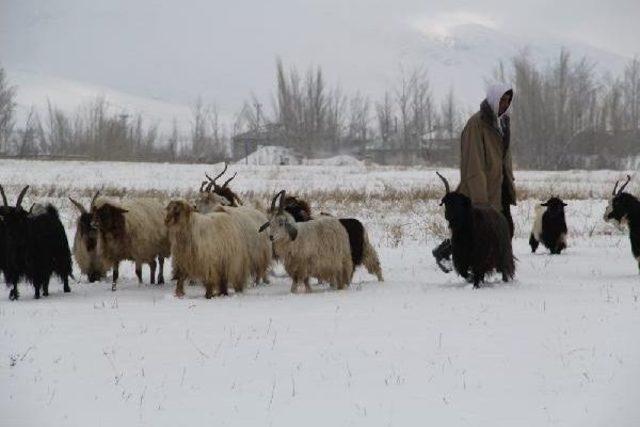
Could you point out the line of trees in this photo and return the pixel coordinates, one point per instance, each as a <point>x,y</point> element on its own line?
<point>563,113</point>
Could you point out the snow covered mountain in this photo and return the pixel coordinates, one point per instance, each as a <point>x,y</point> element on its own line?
<point>465,56</point>
<point>34,89</point>
<point>459,57</point>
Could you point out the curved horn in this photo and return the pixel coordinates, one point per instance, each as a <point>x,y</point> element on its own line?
<point>93,200</point>
<point>445,182</point>
<point>625,184</point>
<point>78,205</point>
<point>273,202</point>
<point>229,180</point>
<point>282,196</point>
<point>213,181</point>
<point>202,186</point>
<point>21,196</point>
<point>4,197</point>
<point>615,187</point>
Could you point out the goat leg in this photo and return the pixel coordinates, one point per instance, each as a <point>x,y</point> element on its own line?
<point>65,282</point>
<point>152,267</point>
<point>115,277</point>
<point>161,270</point>
<point>13,293</point>
<point>533,243</point>
<point>139,272</point>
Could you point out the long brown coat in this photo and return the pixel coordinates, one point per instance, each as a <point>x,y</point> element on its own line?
<point>483,161</point>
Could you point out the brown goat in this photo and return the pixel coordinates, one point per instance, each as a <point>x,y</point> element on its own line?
<point>132,230</point>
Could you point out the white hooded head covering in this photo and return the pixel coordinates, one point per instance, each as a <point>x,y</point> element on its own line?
<point>494,93</point>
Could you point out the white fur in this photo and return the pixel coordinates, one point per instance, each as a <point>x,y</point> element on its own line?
<point>537,222</point>
<point>320,249</point>
<point>208,248</point>
<point>258,245</point>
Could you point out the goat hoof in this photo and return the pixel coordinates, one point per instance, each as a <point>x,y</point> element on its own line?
<point>113,287</point>
<point>13,295</point>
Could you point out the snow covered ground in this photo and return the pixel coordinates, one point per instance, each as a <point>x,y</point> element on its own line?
<point>556,347</point>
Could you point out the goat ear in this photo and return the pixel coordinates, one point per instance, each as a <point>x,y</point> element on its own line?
<point>263,227</point>
<point>292,230</point>
<point>564,204</point>
<point>545,204</point>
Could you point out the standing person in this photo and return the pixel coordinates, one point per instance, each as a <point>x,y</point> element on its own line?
<point>486,171</point>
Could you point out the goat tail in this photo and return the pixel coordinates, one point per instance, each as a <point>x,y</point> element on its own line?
<point>370,259</point>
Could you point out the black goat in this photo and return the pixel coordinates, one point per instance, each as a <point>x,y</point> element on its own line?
<point>35,246</point>
<point>624,209</point>
<point>480,238</point>
<point>549,226</point>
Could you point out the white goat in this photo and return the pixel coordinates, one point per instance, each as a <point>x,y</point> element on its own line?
<point>318,248</point>
<point>208,248</point>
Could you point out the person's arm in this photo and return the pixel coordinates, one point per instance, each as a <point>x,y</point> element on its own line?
<point>472,165</point>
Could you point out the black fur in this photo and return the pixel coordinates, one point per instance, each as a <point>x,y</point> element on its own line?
<point>297,208</point>
<point>36,247</point>
<point>624,205</point>
<point>89,234</point>
<point>355,229</point>
<point>480,239</point>
<point>554,227</point>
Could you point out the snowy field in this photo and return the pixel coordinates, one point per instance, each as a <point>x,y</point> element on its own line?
<point>556,347</point>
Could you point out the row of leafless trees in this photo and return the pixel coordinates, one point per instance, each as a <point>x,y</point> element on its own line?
<point>564,112</point>
<point>313,117</point>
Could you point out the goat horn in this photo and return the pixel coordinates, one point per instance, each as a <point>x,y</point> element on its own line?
<point>615,187</point>
<point>93,200</point>
<point>78,205</point>
<point>202,186</point>
<point>275,198</point>
<point>21,196</point>
<point>282,196</point>
<point>213,181</point>
<point>4,197</point>
<point>625,184</point>
<point>229,180</point>
<point>446,183</point>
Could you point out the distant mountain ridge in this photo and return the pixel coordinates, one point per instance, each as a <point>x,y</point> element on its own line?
<point>462,60</point>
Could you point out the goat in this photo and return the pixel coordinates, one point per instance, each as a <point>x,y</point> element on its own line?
<point>207,248</point>
<point>362,252</point>
<point>35,246</point>
<point>318,248</point>
<point>131,230</point>
<point>480,238</point>
<point>86,241</point>
<point>549,226</point>
<point>624,209</point>
<point>249,219</point>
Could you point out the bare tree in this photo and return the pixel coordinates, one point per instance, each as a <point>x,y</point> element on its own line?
<point>7,110</point>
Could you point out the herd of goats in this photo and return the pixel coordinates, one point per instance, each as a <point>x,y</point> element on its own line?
<point>218,241</point>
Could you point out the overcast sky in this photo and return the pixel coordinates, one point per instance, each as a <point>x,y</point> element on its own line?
<point>177,50</point>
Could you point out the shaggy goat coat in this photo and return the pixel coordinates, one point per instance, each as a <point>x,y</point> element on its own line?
<point>257,244</point>
<point>482,244</point>
<point>362,252</point>
<point>209,248</point>
<point>140,237</point>
<point>319,249</point>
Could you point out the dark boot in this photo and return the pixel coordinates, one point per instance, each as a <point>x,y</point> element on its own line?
<point>443,253</point>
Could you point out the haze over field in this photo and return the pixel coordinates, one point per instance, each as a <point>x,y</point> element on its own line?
<point>169,54</point>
